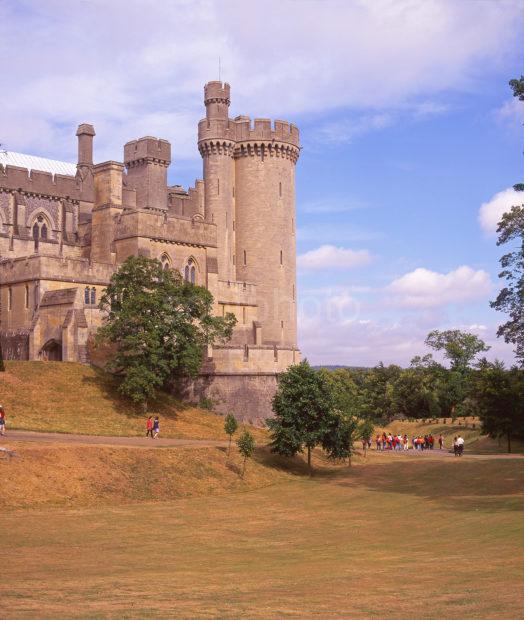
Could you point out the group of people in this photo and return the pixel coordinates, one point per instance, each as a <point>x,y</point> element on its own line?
<point>152,427</point>
<point>390,441</point>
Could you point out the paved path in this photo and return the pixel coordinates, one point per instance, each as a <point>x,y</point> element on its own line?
<point>96,440</point>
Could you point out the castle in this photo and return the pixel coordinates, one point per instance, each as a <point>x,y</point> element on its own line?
<point>65,229</point>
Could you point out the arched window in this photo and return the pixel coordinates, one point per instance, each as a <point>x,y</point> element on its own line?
<point>93,296</point>
<point>9,298</point>
<point>86,295</point>
<point>43,231</point>
<point>190,271</point>
<point>166,263</point>
<point>26,299</point>
<point>40,230</point>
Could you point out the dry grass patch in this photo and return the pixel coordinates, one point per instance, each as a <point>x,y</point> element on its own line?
<point>75,398</point>
<point>429,538</point>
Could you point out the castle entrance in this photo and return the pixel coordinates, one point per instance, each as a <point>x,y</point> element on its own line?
<point>52,351</point>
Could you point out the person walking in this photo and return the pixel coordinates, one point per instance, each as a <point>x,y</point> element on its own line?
<point>455,446</point>
<point>460,445</point>
<point>149,427</point>
<point>441,442</point>
<point>156,427</point>
<point>2,421</point>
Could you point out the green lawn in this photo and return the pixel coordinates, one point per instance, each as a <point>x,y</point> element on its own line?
<point>395,536</point>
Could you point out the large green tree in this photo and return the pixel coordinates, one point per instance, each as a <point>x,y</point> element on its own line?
<point>510,230</point>
<point>460,348</point>
<point>303,407</point>
<point>159,324</point>
<point>498,399</point>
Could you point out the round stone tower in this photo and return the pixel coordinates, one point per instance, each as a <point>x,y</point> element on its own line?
<point>216,143</point>
<point>265,158</point>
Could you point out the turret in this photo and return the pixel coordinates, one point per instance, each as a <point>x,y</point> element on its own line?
<point>147,161</point>
<point>85,133</point>
<point>217,99</point>
<point>216,143</point>
<point>265,158</point>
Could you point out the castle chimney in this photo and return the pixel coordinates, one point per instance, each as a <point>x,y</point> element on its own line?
<point>85,135</point>
<point>216,100</point>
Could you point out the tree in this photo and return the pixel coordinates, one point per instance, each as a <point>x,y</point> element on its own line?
<point>246,447</point>
<point>377,402</point>
<point>517,86</point>
<point>498,399</point>
<point>303,406</point>
<point>510,300</point>
<point>230,426</point>
<point>339,435</point>
<point>160,324</point>
<point>459,347</point>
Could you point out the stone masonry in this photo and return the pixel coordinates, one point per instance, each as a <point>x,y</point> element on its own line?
<point>62,236</point>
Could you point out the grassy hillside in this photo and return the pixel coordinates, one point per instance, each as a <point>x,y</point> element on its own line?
<point>75,398</point>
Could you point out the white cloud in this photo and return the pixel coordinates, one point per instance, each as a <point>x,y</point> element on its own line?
<point>423,288</point>
<point>329,256</point>
<point>491,212</point>
<point>71,62</point>
<point>346,130</point>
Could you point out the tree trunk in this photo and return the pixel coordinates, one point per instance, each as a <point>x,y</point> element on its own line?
<point>244,466</point>
<point>229,447</point>
<point>309,458</point>
<point>509,441</point>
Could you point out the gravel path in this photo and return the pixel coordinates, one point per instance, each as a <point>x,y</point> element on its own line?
<point>96,440</point>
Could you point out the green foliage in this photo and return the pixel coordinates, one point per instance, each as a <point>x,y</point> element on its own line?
<point>160,324</point>
<point>303,407</point>
<point>459,347</point>
<point>517,86</point>
<point>510,300</point>
<point>206,403</point>
<point>377,397</point>
<point>246,447</point>
<point>365,429</point>
<point>230,428</point>
<point>498,399</point>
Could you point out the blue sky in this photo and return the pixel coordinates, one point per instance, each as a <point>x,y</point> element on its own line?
<point>407,123</point>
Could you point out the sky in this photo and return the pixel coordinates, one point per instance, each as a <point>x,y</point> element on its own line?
<point>411,138</point>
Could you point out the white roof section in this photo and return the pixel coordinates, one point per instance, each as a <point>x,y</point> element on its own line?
<point>8,158</point>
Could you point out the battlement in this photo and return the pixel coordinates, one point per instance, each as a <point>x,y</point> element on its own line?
<point>38,182</point>
<point>217,91</point>
<point>147,148</point>
<point>266,130</point>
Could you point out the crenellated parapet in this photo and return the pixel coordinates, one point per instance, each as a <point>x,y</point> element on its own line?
<point>40,183</point>
<point>267,149</point>
<point>147,150</point>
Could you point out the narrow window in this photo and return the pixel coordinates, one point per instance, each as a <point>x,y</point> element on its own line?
<point>218,187</point>
<point>262,152</point>
<point>43,231</point>
<point>233,191</point>
<point>36,231</point>
<point>86,295</point>
<point>244,315</point>
<point>280,189</point>
<point>193,275</point>
<point>93,296</point>
<point>9,298</point>
<point>186,273</point>
<point>245,258</point>
<point>234,259</point>
<point>281,257</point>
<point>233,225</point>
<point>26,296</point>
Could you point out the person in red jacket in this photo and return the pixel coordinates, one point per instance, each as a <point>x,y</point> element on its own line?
<point>149,427</point>
<point>2,421</point>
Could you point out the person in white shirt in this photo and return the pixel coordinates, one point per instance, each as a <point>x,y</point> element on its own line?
<point>460,445</point>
